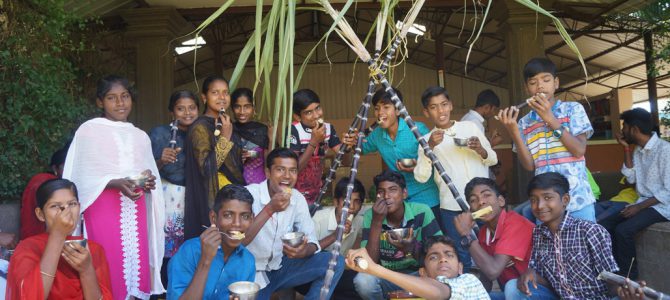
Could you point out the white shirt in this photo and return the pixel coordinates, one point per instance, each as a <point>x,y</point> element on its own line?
<point>461,163</point>
<point>476,118</point>
<point>267,245</point>
<point>325,224</point>
<point>651,173</point>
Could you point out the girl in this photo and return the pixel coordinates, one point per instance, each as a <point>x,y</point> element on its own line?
<point>47,264</point>
<point>254,135</point>
<point>183,106</point>
<point>123,215</point>
<point>212,161</point>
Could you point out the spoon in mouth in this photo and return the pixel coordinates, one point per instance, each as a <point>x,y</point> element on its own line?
<point>237,236</point>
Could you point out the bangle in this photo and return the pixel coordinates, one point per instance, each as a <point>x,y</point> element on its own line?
<point>269,213</point>
<point>47,274</point>
<point>626,149</point>
<point>313,146</point>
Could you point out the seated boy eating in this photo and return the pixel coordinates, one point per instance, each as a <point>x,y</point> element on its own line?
<point>503,250</point>
<point>396,251</point>
<point>568,253</point>
<point>204,267</point>
<point>441,276</point>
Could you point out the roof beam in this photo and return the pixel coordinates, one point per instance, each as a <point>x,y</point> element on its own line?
<point>604,52</point>
<point>603,76</point>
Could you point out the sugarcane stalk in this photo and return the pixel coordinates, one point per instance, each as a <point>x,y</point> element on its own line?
<point>620,280</point>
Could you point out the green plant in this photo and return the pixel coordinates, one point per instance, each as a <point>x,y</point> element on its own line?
<point>39,87</point>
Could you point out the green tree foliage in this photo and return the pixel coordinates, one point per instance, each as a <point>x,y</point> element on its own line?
<point>41,99</point>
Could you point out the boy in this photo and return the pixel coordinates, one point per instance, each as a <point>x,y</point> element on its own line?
<point>392,251</point>
<point>394,140</point>
<point>196,269</point>
<point>503,249</point>
<point>552,137</point>
<point>280,209</point>
<point>486,107</point>
<point>568,253</point>
<point>648,167</point>
<point>310,138</point>
<point>327,219</point>
<point>440,262</point>
<point>461,163</point>
<point>326,222</point>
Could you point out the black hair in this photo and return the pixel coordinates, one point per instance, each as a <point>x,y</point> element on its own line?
<point>182,94</point>
<point>49,187</point>
<point>242,92</point>
<point>432,92</point>
<point>106,83</point>
<point>481,181</point>
<point>341,188</point>
<point>392,176</point>
<point>640,118</point>
<point>208,81</point>
<point>538,65</point>
<point>436,239</point>
<point>58,157</point>
<point>302,99</point>
<point>382,96</point>
<point>489,97</point>
<point>550,180</point>
<point>232,192</point>
<point>279,153</point>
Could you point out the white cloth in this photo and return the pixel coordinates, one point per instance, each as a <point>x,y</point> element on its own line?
<point>476,118</point>
<point>325,223</point>
<point>267,246</point>
<point>461,163</point>
<point>651,173</point>
<point>103,150</point>
<point>4,266</point>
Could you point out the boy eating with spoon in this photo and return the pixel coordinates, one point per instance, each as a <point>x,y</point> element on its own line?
<point>204,267</point>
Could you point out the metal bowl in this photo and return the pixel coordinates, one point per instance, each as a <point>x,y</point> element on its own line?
<point>293,239</point>
<point>244,290</point>
<point>407,162</point>
<point>400,232</point>
<point>81,242</point>
<point>461,142</point>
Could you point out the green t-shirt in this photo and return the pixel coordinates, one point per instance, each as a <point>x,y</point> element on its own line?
<point>417,216</point>
<point>594,186</point>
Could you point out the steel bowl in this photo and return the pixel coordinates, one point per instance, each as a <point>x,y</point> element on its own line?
<point>244,290</point>
<point>399,232</point>
<point>293,239</point>
<point>407,162</point>
<point>81,242</point>
<point>461,142</point>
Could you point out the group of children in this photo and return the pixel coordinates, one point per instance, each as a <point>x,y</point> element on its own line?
<point>226,202</point>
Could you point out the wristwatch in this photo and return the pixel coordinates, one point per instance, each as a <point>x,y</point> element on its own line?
<point>559,131</point>
<point>466,240</point>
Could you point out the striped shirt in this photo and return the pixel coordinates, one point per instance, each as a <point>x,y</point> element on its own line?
<point>572,260</point>
<point>417,216</point>
<point>550,155</point>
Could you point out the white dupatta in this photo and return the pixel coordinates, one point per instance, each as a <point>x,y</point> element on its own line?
<point>103,150</point>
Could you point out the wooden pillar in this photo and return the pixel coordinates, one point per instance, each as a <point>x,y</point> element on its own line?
<point>150,31</point>
<point>439,60</point>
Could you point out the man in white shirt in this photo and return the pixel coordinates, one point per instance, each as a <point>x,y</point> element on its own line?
<point>648,167</point>
<point>462,163</point>
<point>280,209</point>
<point>486,107</point>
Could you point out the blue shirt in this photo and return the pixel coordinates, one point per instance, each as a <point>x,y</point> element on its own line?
<point>240,267</point>
<point>160,139</point>
<point>404,146</point>
<point>550,155</point>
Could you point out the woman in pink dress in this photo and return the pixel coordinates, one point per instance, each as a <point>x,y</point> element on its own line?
<point>112,164</point>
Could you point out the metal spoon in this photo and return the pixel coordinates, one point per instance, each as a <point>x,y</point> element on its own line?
<point>226,234</point>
